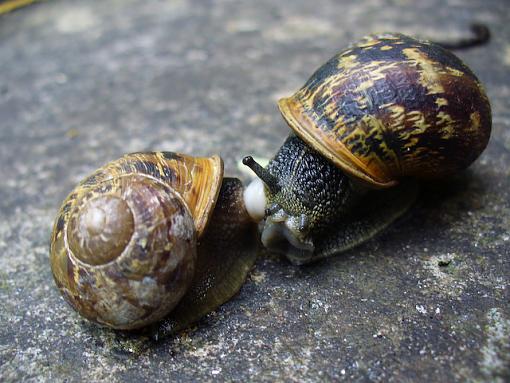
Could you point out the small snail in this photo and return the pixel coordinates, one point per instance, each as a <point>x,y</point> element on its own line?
<point>381,113</point>
<point>153,236</point>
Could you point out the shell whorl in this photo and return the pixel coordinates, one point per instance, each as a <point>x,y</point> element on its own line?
<point>100,232</point>
<point>391,106</point>
<point>123,249</point>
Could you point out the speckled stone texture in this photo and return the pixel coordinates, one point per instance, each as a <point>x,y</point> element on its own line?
<point>82,82</point>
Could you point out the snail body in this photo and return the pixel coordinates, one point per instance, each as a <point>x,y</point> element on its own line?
<point>132,242</point>
<point>384,110</point>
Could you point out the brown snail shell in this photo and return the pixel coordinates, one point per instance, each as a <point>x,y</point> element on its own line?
<point>392,106</point>
<point>125,244</point>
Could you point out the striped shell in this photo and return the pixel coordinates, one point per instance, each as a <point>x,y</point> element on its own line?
<point>123,248</point>
<point>391,106</point>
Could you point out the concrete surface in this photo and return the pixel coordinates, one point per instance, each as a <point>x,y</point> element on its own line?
<point>82,82</point>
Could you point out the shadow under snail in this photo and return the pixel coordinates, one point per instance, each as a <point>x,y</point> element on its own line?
<point>151,237</point>
<point>380,114</point>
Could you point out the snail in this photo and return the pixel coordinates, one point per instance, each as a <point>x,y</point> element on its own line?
<point>151,238</point>
<point>379,115</point>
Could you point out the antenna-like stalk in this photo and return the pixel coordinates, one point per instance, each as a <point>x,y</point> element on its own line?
<point>263,174</point>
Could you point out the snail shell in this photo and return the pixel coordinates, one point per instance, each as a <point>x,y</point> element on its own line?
<point>125,242</point>
<point>391,106</point>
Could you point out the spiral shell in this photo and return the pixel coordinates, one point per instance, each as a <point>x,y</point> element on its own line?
<point>124,245</point>
<point>391,106</point>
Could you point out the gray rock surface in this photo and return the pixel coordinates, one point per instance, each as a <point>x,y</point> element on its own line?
<point>82,82</point>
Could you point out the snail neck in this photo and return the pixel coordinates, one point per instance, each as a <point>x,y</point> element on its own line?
<point>312,194</point>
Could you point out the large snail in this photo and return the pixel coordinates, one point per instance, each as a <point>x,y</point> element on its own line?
<point>151,237</point>
<point>385,110</point>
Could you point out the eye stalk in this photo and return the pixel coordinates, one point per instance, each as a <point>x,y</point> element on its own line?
<point>270,181</point>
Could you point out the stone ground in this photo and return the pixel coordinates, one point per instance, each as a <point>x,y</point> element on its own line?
<point>83,82</point>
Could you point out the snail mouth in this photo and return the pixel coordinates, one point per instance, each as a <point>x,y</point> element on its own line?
<point>282,238</point>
